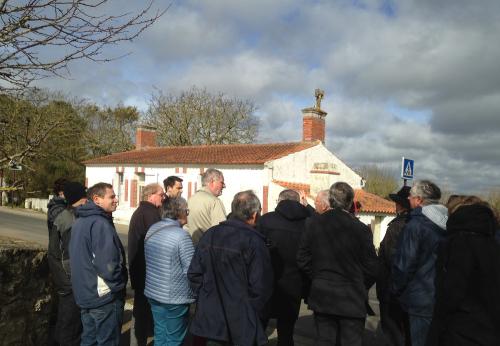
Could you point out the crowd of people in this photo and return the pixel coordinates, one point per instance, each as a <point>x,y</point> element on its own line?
<point>222,278</point>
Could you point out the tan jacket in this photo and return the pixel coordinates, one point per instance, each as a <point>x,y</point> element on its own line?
<point>205,211</point>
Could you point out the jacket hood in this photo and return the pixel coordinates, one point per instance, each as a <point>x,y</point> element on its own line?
<point>56,201</point>
<point>292,210</point>
<point>90,209</point>
<point>437,213</point>
<point>475,218</point>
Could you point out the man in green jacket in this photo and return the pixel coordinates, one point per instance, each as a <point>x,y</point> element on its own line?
<point>205,208</point>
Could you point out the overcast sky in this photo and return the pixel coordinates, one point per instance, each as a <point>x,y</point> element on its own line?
<point>418,78</point>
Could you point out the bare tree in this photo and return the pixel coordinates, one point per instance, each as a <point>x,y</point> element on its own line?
<point>379,181</point>
<point>70,29</point>
<point>493,197</point>
<point>27,123</point>
<point>198,117</point>
<point>108,130</point>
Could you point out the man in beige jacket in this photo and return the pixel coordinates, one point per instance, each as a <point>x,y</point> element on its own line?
<point>205,208</point>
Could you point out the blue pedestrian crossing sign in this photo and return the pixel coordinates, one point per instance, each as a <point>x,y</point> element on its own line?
<point>407,167</point>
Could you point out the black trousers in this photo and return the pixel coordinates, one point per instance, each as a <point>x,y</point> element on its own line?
<point>143,325</point>
<point>338,330</point>
<point>285,326</point>
<point>69,323</point>
<point>395,324</point>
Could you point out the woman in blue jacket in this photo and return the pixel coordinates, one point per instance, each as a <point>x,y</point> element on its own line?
<point>168,251</point>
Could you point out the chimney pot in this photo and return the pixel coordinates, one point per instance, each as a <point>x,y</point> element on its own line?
<point>313,124</point>
<point>145,136</point>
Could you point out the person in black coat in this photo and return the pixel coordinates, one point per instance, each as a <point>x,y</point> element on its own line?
<point>232,277</point>
<point>393,319</point>
<point>283,229</point>
<point>467,309</point>
<point>69,326</point>
<point>336,251</point>
<point>147,214</point>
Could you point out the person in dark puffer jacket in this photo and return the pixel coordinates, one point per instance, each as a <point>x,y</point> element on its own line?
<point>467,310</point>
<point>69,325</point>
<point>98,268</point>
<point>283,229</point>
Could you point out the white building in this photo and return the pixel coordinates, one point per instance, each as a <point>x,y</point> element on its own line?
<point>266,169</point>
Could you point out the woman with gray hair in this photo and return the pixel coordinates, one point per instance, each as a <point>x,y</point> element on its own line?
<point>168,250</point>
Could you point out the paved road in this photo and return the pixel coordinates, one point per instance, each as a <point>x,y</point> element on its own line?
<point>30,225</point>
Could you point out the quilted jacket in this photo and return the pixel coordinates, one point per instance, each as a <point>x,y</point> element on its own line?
<point>168,251</point>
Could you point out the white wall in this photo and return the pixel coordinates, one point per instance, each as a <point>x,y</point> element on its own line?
<point>297,168</point>
<point>237,179</point>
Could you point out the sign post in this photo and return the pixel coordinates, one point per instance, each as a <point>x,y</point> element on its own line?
<point>407,169</point>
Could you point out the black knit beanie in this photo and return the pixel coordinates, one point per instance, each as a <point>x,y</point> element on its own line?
<point>73,192</point>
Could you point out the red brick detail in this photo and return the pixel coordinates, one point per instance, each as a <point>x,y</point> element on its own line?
<point>125,198</point>
<point>145,137</point>
<point>369,203</point>
<point>265,198</point>
<point>176,169</point>
<point>319,171</point>
<point>86,182</point>
<point>184,170</point>
<point>205,155</point>
<point>313,129</point>
<point>294,186</point>
<point>190,191</point>
<point>133,193</point>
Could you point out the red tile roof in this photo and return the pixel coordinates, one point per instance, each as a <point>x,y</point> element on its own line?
<point>294,186</point>
<point>370,203</point>
<point>224,154</point>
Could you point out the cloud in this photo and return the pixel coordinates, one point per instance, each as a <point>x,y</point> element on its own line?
<point>415,78</point>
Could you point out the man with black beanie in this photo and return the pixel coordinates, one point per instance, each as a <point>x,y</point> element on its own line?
<point>57,203</point>
<point>69,326</point>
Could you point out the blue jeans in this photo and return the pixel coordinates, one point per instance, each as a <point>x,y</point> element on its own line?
<point>419,328</point>
<point>171,322</point>
<point>103,325</point>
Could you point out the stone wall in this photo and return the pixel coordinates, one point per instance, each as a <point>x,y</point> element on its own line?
<point>25,293</point>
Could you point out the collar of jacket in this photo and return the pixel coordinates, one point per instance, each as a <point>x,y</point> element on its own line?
<point>240,224</point>
<point>162,225</point>
<point>292,210</point>
<point>90,208</point>
<point>146,204</point>
<point>206,190</point>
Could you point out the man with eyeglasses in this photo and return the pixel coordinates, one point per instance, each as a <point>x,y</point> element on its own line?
<point>206,209</point>
<point>147,214</point>
<point>413,268</point>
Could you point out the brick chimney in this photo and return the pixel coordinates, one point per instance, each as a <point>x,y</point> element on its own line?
<point>313,120</point>
<point>145,136</point>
